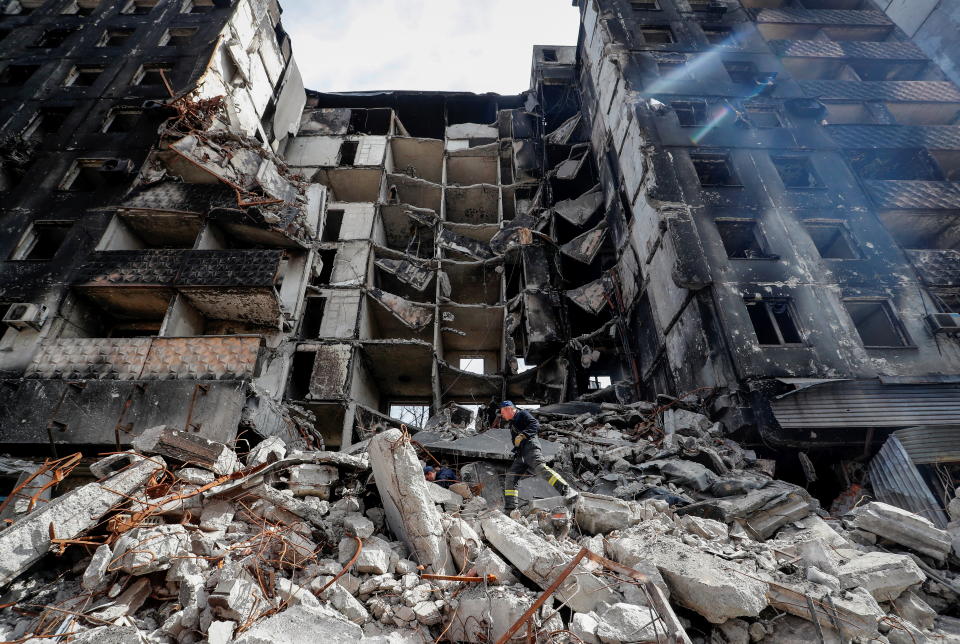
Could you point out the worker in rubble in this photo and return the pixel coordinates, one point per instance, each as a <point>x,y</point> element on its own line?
<point>444,476</point>
<point>527,456</point>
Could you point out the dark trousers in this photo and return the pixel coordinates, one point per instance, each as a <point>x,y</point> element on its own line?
<point>529,458</point>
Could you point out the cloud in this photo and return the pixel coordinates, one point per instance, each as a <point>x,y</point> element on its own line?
<point>427,45</point>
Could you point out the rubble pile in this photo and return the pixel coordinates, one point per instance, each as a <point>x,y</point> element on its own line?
<point>678,535</point>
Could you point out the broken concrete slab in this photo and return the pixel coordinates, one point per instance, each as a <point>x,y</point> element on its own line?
<point>268,450</point>
<point>904,528</point>
<point>855,617</point>
<point>410,512</point>
<point>482,615</point>
<point>127,603</point>
<point>96,575</point>
<point>584,626</point>
<point>916,611</point>
<point>883,575</point>
<point>238,600</point>
<point>542,562</point>
<point>313,480</point>
<point>599,514</point>
<point>187,448</point>
<point>146,550</point>
<point>68,516</point>
<point>302,624</point>
<point>623,623</point>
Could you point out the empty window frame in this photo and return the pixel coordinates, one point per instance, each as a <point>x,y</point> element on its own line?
<point>348,152</point>
<point>121,120</point>
<point>549,55</point>
<point>84,175</point>
<point>114,37</point>
<point>139,7</point>
<point>675,69</point>
<point>796,172</point>
<point>197,6</point>
<point>774,322</point>
<point>17,75</point>
<point>764,116</point>
<point>54,37</point>
<point>472,364</point>
<point>598,382</point>
<point>410,413</point>
<point>690,113</point>
<point>720,35</point>
<point>48,120</point>
<point>657,35</point>
<point>876,323</point>
<point>946,301</point>
<point>832,239</point>
<point>80,7</point>
<point>743,239</point>
<point>83,76</point>
<point>741,72</point>
<point>644,5</point>
<point>714,169</point>
<point>177,36</point>
<point>42,241</point>
<point>152,75</point>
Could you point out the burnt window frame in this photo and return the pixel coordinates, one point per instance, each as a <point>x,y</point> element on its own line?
<point>77,71</point>
<point>772,319</point>
<point>732,38</point>
<point>658,29</point>
<point>896,324</point>
<point>549,55</point>
<point>758,236</point>
<point>19,80</point>
<point>28,240</point>
<point>150,67</point>
<point>136,7</point>
<point>945,301</point>
<point>75,8</point>
<point>818,183</point>
<point>842,230</point>
<point>110,32</point>
<point>746,76</point>
<point>750,110</point>
<point>166,40</point>
<point>694,103</point>
<point>726,158</point>
<point>64,33</point>
<point>111,118</point>
<point>635,5</point>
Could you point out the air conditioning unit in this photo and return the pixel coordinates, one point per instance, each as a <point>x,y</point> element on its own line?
<point>945,322</point>
<point>22,315</point>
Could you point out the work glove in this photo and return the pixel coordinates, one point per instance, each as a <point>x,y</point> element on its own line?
<point>519,438</point>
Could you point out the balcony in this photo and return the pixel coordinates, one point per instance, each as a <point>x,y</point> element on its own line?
<point>937,267</point>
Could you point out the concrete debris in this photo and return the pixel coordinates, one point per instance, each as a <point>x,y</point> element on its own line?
<point>301,546</point>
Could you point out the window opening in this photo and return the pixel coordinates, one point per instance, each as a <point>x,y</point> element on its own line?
<point>875,322</point>
<point>54,37</point>
<point>313,318</point>
<point>741,72</point>
<point>332,225</point>
<point>599,382</point>
<point>17,75</point>
<point>115,37</point>
<point>657,35</point>
<point>644,5</point>
<point>139,7</point>
<point>549,55</point>
<point>83,76</point>
<point>348,152</point>
<point>328,258</point>
<point>42,241</point>
<point>472,364</point>
<point>178,36</point>
<point>764,117</point>
<point>690,113</point>
<point>119,121</point>
<point>411,414</point>
<point>773,322</point>
<point>832,240</point>
<point>49,120</point>
<point>742,239</point>
<point>152,74</point>
<point>714,169</point>
<point>796,172</point>
<point>720,35</point>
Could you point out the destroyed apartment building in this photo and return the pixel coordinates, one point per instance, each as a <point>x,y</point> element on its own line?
<point>714,248</point>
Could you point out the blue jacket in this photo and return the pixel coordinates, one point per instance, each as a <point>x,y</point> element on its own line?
<point>524,423</point>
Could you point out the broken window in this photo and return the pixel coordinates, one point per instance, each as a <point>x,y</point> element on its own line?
<point>327,259</point>
<point>80,7</point>
<point>152,74</point>
<point>741,72</point>
<point>139,7</point>
<point>54,37</point>
<point>121,120</point>
<point>674,69</point>
<point>832,240</point>
<point>742,239</point>
<point>42,240</point>
<point>773,321</point>
<point>690,113</point>
<point>946,301</point>
<point>17,75</point>
<point>348,152</point>
<point>411,414</point>
<point>720,35</point>
<point>83,76</point>
<point>48,120</point>
<point>764,116</point>
<point>714,169</point>
<point>332,225</point>
<point>893,164</point>
<point>114,37</point>
<point>313,318</point>
<point>473,364</point>
<point>644,5</point>
<point>84,175</point>
<point>796,172</point>
<point>657,35</point>
<point>549,55</point>
<point>876,323</point>
<point>177,36</point>
<point>198,6</point>
<point>598,382</point>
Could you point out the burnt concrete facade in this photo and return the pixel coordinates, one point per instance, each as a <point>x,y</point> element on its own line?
<point>752,202</point>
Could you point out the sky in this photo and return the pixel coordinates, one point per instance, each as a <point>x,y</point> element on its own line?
<point>431,45</point>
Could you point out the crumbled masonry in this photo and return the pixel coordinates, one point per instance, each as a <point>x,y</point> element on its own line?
<point>258,554</point>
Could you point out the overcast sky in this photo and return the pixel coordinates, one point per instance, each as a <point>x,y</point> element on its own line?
<point>438,45</point>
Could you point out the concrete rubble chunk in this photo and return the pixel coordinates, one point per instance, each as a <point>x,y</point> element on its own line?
<point>302,624</point>
<point>220,632</point>
<point>122,634</point>
<point>598,514</point>
<point>623,623</point>
<point>856,614</point>
<point>26,541</point>
<point>541,562</point>
<point>95,576</point>
<point>916,611</point>
<point>237,600</point>
<point>584,626</point>
<point>490,563</point>
<point>145,550</point>
<point>268,450</point>
<point>883,575</point>
<point>903,528</point>
<point>464,542</point>
<point>704,583</point>
<point>312,479</point>
<point>127,603</point>
<point>484,615</point>
<point>411,514</point>
<point>216,515</point>
<point>358,525</point>
<point>187,448</point>
<point>376,556</point>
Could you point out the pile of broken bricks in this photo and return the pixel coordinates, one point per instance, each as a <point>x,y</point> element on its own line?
<point>679,535</point>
